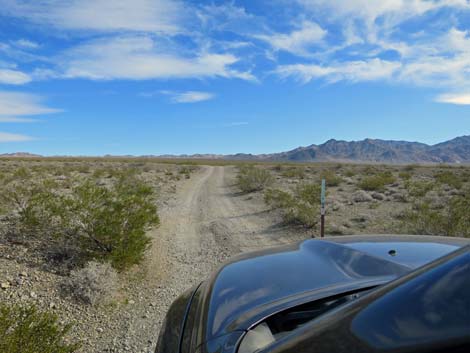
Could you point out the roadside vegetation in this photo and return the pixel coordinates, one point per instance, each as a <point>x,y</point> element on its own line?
<point>377,182</point>
<point>90,220</point>
<point>24,329</point>
<point>251,178</point>
<point>375,199</point>
<point>300,206</point>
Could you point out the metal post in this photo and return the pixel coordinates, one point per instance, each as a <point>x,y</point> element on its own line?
<point>322,209</point>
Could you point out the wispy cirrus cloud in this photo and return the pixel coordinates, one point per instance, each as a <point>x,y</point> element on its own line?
<point>188,96</point>
<point>8,137</point>
<point>140,58</point>
<point>14,77</point>
<point>376,42</point>
<point>353,71</point>
<point>299,41</point>
<point>163,16</point>
<point>26,44</point>
<point>454,98</point>
<point>15,119</point>
<point>14,105</point>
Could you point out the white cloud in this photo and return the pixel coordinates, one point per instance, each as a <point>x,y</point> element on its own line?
<point>432,54</point>
<point>13,77</point>
<point>7,137</point>
<point>395,11</point>
<point>162,16</point>
<point>353,71</point>
<point>189,96</point>
<point>26,44</point>
<point>14,119</point>
<point>140,58</point>
<point>442,61</point>
<point>16,104</point>
<point>454,98</point>
<point>297,42</point>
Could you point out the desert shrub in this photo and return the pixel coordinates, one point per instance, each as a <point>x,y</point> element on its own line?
<point>419,188</point>
<point>26,330</point>
<point>21,173</point>
<point>110,223</point>
<point>405,175</point>
<point>377,182</point>
<point>369,170</point>
<point>294,172</point>
<point>107,223</point>
<point>349,173</point>
<point>452,220</point>
<point>331,178</point>
<point>83,168</point>
<point>252,179</point>
<point>300,207</point>
<point>186,171</point>
<point>410,167</point>
<point>449,178</point>
<point>96,283</point>
<point>27,200</point>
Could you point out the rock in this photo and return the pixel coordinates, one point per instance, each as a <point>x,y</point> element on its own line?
<point>23,274</point>
<point>4,285</point>
<point>361,196</point>
<point>378,196</point>
<point>400,197</point>
<point>33,295</point>
<point>131,302</point>
<point>99,330</point>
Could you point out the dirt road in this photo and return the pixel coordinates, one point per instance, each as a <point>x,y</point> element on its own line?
<point>202,225</point>
<point>210,221</point>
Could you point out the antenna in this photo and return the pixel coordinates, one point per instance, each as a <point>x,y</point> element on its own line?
<point>322,209</point>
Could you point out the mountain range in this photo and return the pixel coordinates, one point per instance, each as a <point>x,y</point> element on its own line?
<point>369,150</point>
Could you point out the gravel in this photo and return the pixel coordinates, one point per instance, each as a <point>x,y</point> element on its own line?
<point>204,221</point>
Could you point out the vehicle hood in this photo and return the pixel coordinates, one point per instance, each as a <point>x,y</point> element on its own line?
<point>252,286</point>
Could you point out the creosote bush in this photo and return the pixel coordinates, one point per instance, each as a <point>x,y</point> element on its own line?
<point>449,178</point>
<point>331,178</point>
<point>294,172</point>
<point>108,223</point>
<point>94,284</point>
<point>377,182</point>
<point>405,175</point>
<point>452,220</point>
<point>419,188</point>
<point>26,330</point>
<point>300,207</point>
<point>252,179</point>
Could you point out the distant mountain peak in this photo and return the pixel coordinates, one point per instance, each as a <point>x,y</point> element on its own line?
<point>20,154</point>
<point>456,150</point>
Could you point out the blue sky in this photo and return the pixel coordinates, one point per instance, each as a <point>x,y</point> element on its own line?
<point>93,77</point>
